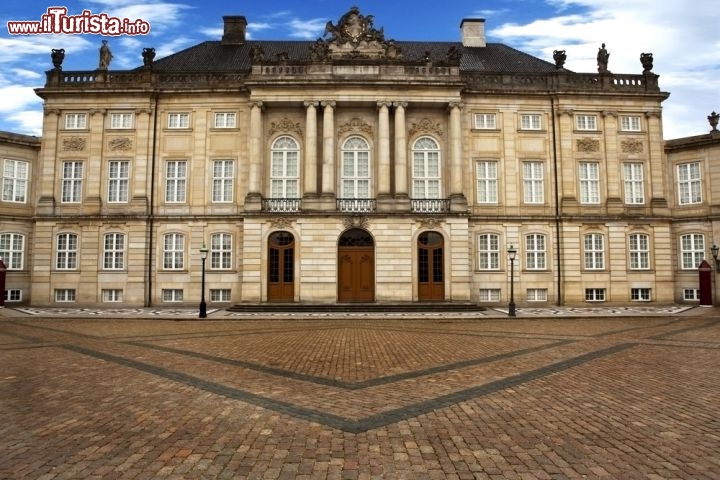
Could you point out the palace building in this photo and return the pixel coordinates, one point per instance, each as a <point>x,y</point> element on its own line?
<point>354,168</point>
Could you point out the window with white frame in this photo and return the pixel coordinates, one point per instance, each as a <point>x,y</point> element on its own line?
<point>634,183</point>
<point>14,181</point>
<point>692,251</point>
<point>223,172</point>
<point>691,294</point>
<point>171,295</point>
<point>219,294</point>
<point>536,294</point>
<point>221,251</point>
<point>487,181</point>
<point>175,181</point>
<point>426,169</point>
<point>489,295</point>
<point>689,183</point>
<point>121,120</point>
<point>179,120</point>
<point>225,120</point>
<point>485,121</point>
<point>112,295</point>
<point>533,182</point>
<point>594,251</point>
<point>12,249</point>
<point>488,251</point>
<point>66,251</point>
<point>639,248</point>
<point>629,123</point>
<point>285,168</point>
<point>64,294</point>
<point>586,122</point>
<point>589,182</point>
<point>530,122</point>
<point>535,253</point>
<point>72,178</point>
<point>118,181</point>
<point>594,294</point>
<point>13,295</point>
<point>114,251</point>
<point>75,121</point>
<point>640,294</point>
<point>355,181</point>
<point>173,251</point>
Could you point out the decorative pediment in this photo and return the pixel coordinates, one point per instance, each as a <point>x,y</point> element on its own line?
<point>285,125</point>
<point>354,36</point>
<point>356,125</point>
<point>426,126</point>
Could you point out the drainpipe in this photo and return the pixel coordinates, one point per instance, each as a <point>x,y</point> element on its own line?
<point>151,216</point>
<point>558,246</point>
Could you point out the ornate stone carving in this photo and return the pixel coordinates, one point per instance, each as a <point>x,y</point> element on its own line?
<point>57,55</point>
<point>356,221</point>
<point>356,125</point>
<point>148,55</point>
<point>120,144</point>
<point>646,59</point>
<point>354,36</point>
<point>429,223</point>
<point>426,126</point>
<point>74,144</point>
<point>588,145</point>
<point>280,222</point>
<point>631,146</point>
<point>285,125</point>
<point>559,56</point>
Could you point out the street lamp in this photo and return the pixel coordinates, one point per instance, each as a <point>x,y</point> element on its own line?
<point>715,250</point>
<point>512,252</point>
<point>203,306</point>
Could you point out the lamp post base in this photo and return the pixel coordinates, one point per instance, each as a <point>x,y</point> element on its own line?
<point>511,309</point>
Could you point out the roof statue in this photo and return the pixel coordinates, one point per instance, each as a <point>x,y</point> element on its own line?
<point>355,36</point>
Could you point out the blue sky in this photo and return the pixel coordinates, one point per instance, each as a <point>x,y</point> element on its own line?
<point>684,40</point>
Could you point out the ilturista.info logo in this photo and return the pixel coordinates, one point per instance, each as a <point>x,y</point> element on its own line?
<point>57,20</point>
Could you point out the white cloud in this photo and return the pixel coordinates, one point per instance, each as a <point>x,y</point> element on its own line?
<point>27,122</point>
<point>16,98</point>
<point>307,29</point>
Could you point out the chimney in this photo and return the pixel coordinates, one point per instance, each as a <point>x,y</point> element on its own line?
<point>473,32</point>
<point>234,30</point>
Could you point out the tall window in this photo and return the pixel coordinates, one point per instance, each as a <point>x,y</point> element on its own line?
<point>533,189</point>
<point>225,120</point>
<point>689,184</point>
<point>14,181</point>
<point>118,181</point>
<point>178,120</point>
<point>223,175</point>
<point>175,180</point>
<point>12,247</point>
<point>114,251</point>
<point>221,251</point>
<point>72,175</point>
<point>535,254</point>
<point>355,168</point>
<point>488,251</point>
<point>75,121</point>
<point>630,123</point>
<point>485,121</point>
<point>66,251</point>
<point>121,120</point>
<point>594,251</point>
<point>586,122</point>
<point>692,250</point>
<point>634,184</point>
<point>487,181</point>
<point>285,168</point>
<point>426,169</point>
<point>639,247</point>
<point>173,251</point>
<point>589,182</point>
<point>530,122</point>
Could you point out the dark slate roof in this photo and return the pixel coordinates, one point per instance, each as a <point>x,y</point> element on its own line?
<point>213,56</point>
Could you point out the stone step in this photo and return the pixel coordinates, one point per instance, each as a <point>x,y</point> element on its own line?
<point>358,307</point>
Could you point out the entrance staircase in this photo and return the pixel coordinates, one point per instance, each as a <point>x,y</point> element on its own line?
<point>357,307</point>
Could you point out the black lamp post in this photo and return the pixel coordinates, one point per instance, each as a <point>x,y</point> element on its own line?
<point>203,306</point>
<point>715,250</point>
<point>511,255</point>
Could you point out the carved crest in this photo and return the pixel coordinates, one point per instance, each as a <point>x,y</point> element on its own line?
<point>631,146</point>
<point>355,36</point>
<point>285,125</point>
<point>426,126</point>
<point>120,144</point>
<point>429,223</point>
<point>356,221</point>
<point>280,222</point>
<point>588,145</point>
<point>356,125</point>
<point>74,144</point>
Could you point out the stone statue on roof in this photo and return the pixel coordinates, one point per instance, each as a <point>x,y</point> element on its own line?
<point>105,56</point>
<point>602,59</point>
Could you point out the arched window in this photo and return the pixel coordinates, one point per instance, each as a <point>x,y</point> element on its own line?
<point>285,168</point>
<point>426,171</point>
<point>355,168</point>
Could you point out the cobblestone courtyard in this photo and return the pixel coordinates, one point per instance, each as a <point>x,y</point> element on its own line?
<point>624,397</point>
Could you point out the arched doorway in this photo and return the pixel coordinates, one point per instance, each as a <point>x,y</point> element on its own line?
<point>281,267</point>
<point>431,267</point>
<point>356,266</point>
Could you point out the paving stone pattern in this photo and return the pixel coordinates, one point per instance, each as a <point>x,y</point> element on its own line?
<point>353,398</point>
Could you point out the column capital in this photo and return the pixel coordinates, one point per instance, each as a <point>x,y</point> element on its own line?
<point>384,103</point>
<point>328,103</point>
<point>653,113</point>
<point>311,103</point>
<point>148,111</point>
<point>400,103</point>
<point>609,113</point>
<point>98,111</point>
<point>51,111</point>
<point>454,105</point>
<point>257,103</point>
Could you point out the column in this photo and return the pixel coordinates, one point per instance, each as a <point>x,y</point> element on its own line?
<point>310,149</point>
<point>328,165</point>
<point>458,201</point>
<point>254,195</point>
<point>45,170</point>
<point>142,164</point>
<point>383,150</point>
<point>613,165</point>
<point>401,179</point>
<point>94,165</point>
<point>657,165</point>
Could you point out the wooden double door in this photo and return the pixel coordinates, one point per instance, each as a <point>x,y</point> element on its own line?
<point>356,266</point>
<point>281,267</point>
<point>431,267</point>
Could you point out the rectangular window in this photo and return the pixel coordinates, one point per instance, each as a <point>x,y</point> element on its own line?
<point>634,184</point>
<point>691,294</point>
<point>629,123</point>
<point>14,181</point>
<point>173,251</point>
<point>639,247</point>
<point>586,122</point>
<point>530,122</point>
<point>640,294</point>
<point>487,182</point>
<point>114,251</point>
<point>221,251</point>
<point>589,182</point>
<point>72,175</point>
<point>65,295</point>
<point>12,248</point>
<point>172,295</point>
<point>692,251</point>
<point>66,251</point>
<point>178,120</point>
<point>219,294</point>
<point>535,252</point>
<point>75,121</point>
<point>175,180</point>
<point>595,294</point>
<point>223,176</point>
<point>485,121</point>
<point>536,294</point>
<point>489,295</point>
<point>225,120</point>
<point>118,181</point>
<point>13,295</point>
<point>533,184</point>
<point>488,251</point>
<point>594,251</point>
<point>121,120</point>
<point>689,183</point>
<point>112,295</point>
